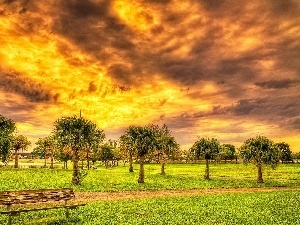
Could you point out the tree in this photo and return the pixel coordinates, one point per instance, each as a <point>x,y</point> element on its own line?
<point>207,148</point>
<point>296,156</point>
<point>106,153</point>
<point>64,154</point>
<point>142,139</point>
<point>286,153</point>
<point>46,147</point>
<point>258,151</point>
<point>7,128</point>
<point>227,152</point>
<point>127,148</point>
<point>20,142</point>
<point>166,145</point>
<point>78,134</point>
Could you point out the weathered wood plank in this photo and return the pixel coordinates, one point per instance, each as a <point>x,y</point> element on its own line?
<point>33,196</point>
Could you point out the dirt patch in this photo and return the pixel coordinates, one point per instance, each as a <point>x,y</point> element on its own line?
<point>111,196</point>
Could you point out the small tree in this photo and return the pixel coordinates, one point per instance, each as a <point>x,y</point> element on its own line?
<point>20,142</point>
<point>106,153</point>
<point>7,128</point>
<point>166,145</point>
<point>227,152</point>
<point>46,147</point>
<point>64,154</point>
<point>259,151</point>
<point>142,139</point>
<point>207,148</point>
<point>286,153</point>
<point>78,134</point>
<point>296,156</point>
<point>127,148</point>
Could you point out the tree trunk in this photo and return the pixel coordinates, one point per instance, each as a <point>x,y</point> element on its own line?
<point>45,162</point>
<point>141,172</point>
<point>162,163</point>
<point>88,164</point>
<point>259,174</point>
<point>16,159</point>
<point>52,160</point>
<point>130,163</point>
<point>163,168</point>
<point>206,176</point>
<point>75,178</point>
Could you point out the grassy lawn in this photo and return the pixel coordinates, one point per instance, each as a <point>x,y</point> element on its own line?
<point>179,176</point>
<point>281,207</point>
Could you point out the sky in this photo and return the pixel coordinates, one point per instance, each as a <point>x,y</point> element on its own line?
<point>222,69</point>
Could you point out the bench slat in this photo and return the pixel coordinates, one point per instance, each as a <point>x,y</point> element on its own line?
<point>44,208</point>
<point>33,196</point>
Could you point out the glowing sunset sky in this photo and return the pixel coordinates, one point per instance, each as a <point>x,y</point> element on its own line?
<point>212,68</point>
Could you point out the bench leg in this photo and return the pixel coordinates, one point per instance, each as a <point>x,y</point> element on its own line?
<point>9,220</point>
<point>9,215</point>
<point>67,213</point>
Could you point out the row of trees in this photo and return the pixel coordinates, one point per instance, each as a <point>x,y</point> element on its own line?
<point>10,140</point>
<point>75,138</point>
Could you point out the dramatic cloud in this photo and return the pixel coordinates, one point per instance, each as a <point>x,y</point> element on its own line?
<point>203,67</point>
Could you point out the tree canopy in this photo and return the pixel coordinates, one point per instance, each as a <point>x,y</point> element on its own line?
<point>7,129</point>
<point>19,142</point>
<point>286,153</point>
<point>258,151</point>
<point>207,148</point>
<point>78,134</point>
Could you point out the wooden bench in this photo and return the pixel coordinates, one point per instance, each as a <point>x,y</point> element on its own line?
<point>59,198</point>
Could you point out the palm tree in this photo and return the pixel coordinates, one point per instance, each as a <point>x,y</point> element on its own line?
<point>20,142</point>
<point>78,134</point>
<point>166,145</point>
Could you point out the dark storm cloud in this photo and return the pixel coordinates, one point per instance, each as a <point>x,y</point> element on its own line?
<point>15,111</point>
<point>94,27</point>
<point>120,72</point>
<point>163,2</point>
<point>17,84</point>
<point>278,84</point>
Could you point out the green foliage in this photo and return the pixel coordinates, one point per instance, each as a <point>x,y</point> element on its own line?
<point>79,135</point>
<point>165,142</point>
<point>44,146</point>
<point>205,147</point>
<point>286,153</point>
<point>260,150</point>
<point>107,152</point>
<point>228,152</point>
<point>7,128</point>
<point>142,138</point>
<point>20,142</point>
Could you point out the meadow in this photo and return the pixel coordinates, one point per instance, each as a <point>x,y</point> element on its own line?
<point>178,177</point>
<point>276,207</point>
<point>280,207</point>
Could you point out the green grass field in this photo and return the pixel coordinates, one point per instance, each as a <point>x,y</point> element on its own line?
<point>280,207</point>
<point>179,176</point>
<point>246,208</point>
